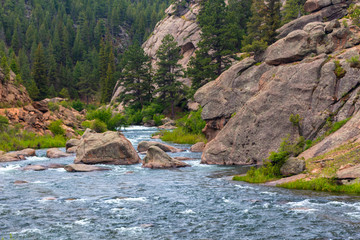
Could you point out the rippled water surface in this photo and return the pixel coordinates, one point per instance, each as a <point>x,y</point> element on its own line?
<point>130,202</point>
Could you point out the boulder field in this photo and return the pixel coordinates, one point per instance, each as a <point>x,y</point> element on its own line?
<point>308,72</point>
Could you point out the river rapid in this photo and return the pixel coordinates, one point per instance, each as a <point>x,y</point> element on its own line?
<point>130,202</point>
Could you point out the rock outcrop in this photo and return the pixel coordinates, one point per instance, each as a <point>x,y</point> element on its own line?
<point>71,145</point>
<point>56,153</point>
<point>157,158</point>
<point>17,155</point>
<point>145,145</point>
<point>12,94</point>
<point>307,72</point>
<point>293,166</point>
<point>106,148</point>
<point>198,147</point>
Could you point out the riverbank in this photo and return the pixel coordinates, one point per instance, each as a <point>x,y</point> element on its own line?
<point>335,171</point>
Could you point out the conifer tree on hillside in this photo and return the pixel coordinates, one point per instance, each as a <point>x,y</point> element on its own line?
<point>39,74</point>
<point>222,29</point>
<point>168,88</point>
<point>136,77</point>
<point>261,28</point>
<point>293,9</point>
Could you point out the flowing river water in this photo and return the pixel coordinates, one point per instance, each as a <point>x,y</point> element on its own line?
<point>130,202</point>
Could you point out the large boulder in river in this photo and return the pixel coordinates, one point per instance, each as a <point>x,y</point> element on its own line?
<point>107,148</point>
<point>56,153</point>
<point>17,155</point>
<point>198,147</point>
<point>157,158</point>
<point>145,145</point>
<point>292,166</point>
<point>72,143</point>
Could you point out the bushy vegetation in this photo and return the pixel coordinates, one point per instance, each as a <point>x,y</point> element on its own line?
<point>13,138</point>
<point>354,61</point>
<point>188,131</point>
<point>4,122</point>
<point>322,184</point>
<point>104,119</point>
<point>56,128</point>
<point>339,70</point>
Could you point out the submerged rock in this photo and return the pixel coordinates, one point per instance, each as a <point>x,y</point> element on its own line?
<point>107,148</point>
<point>157,158</point>
<point>145,145</point>
<point>292,166</point>
<point>34,168</point>
<point>84,168</point>
<point>56,153</point>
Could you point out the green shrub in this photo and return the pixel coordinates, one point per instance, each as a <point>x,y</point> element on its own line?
<point>259,175</point>
<point>116,121</point>
<point>98,126</point>
<point>354,61</point>
<point>339,70</point>
<point>102,114</point>
<point>4,123</point>
<point>56,129</point>
<point>53,106</point>
<point>64,93</point>
<point>180,136</point>
<point>65,104</point>
<point>354,14</point>
<point>86,124</point>
<point>78,105</point>
<point>192,122</point>
<point>157,119</point>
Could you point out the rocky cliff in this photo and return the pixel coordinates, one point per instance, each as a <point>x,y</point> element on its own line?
<point>180,22</point>
<point>16,105</point>
<point>310,71</point>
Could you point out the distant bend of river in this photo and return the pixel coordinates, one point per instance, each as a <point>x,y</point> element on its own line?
<point>130,202</point>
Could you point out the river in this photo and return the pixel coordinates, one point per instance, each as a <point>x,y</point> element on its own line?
<point>130,202</point>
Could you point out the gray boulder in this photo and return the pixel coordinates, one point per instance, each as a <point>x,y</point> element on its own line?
<point>145,145</point>
<point>106,148</point>
<point>349,173</point>
<point>293,166</point>
<point>72,143</point>
<point>157,158</point>
<point>293,47</point>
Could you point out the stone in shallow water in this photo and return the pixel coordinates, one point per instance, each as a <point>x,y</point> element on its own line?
<point>34,168</point>
<point>157,158</point>
<point>83,168</point>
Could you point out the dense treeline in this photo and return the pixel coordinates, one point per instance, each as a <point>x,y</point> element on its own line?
<point>71,48</point>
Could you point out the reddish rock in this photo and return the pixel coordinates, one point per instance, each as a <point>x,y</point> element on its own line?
<point>20,182</point>
<point>157,158</point>
<point>145,145</point>
<point>183,158</point>
<point>56,165</point>
<point>198,147</point>
<point>56,153</point>
<point>17,155</point>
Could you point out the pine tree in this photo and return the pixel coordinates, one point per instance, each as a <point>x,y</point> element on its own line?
<point>5,69</point>
<point>168,88</point>
<point>40,73</point>
<point>222,30</point>
<point>293,9</point>
<point>136,77</point>
<point>261,28</point>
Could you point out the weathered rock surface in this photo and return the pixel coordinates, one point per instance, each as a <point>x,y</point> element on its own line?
<point>34,168</point>
<point>349,173</point>
<point>56,153</point>
<point>293,166</point>
<point>17,155</point>
<point>297,78</point>
<point>84,168</point>
<point>71,145</point>
<point>329,13</point>
<point>55,165</point>
<point>10,94</point>
<point>313,5</point>
<point>107,148</point>
<point>289,49</point>
<point>198,147</point>
<point>145,145</point>
<point>157,158</point>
